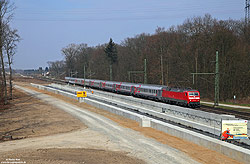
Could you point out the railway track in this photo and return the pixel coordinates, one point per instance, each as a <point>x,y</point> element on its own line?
<point>236,113</point>
<point>134,110</point>
<point>49,80</point>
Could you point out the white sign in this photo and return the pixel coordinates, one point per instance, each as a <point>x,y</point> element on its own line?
<point>238,128</point>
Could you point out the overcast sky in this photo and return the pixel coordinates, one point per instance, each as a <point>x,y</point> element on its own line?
<point>46,26</point>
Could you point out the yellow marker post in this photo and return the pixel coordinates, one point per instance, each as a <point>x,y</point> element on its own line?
<point>81,94</point>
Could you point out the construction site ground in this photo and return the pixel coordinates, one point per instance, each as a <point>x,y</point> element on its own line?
<point>42,133</point>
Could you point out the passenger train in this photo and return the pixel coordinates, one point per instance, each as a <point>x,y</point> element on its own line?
<point>177,96</point>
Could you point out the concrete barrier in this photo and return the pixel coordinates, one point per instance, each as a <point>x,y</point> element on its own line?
<point>192,124</point>
<point>145,122</point>
<point>194,115</point>
<point>53,90</point>
<point>205,118</point>
<point>233,151</point>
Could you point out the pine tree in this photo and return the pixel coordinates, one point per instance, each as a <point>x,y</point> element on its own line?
<point>111,53</point>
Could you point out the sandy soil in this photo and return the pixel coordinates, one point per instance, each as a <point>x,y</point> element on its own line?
<point>28,80</point>
<point>72,156</point>
<point>34,120</point>
<point>30,117</point>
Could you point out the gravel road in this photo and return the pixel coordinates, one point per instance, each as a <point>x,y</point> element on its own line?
<point>125,139</point>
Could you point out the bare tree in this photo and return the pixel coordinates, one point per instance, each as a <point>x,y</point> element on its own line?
<point>57,68</point>
<point>70,52</point>
<point>10,45</point>
<point>6,14</point>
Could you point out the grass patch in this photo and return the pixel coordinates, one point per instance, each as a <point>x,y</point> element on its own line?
<point>229,108</point>
<point>242,102</point>
<point>231,103</point>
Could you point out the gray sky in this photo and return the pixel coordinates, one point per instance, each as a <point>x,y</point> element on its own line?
<point>46,26</point>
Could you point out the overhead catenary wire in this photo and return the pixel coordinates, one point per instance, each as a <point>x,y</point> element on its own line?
<point>112,11</point>
<point>121,18</point>
<point>104,14</point>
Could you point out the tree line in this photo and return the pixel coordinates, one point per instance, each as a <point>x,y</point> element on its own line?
<point>172,55</point>
<point>8,44</point>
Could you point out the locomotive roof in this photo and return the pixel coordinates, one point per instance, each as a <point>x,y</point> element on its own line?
<point>181,89</point>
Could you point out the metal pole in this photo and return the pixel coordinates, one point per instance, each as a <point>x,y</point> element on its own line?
<point>145,71</point>
<point>217,76</point>
<point>162,74</point>
<point>110,69</point>
<point>84,71</point>
<point>246,13</point>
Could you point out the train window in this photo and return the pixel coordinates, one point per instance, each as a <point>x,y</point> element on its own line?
<point>196,93</point>
<point>193,94</point>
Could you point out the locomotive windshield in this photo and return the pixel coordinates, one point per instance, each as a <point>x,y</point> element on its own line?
<point>193,94</point>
